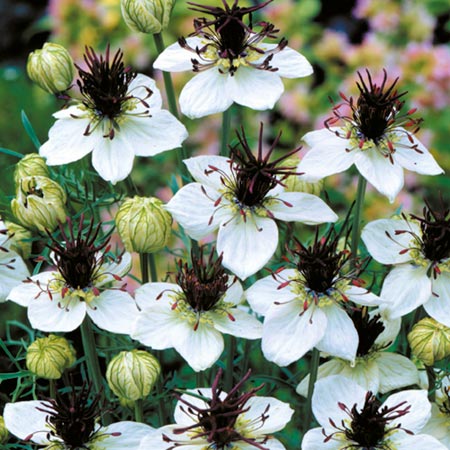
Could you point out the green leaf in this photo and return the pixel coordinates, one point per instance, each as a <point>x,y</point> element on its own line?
<point>30,131</point>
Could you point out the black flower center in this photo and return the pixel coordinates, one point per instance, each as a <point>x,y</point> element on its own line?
<point>368,330</point>
<point>444,407</point>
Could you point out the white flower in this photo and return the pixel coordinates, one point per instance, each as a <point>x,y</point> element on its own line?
<point>305,307</point>
<point>374,369</point>
<point>419,249</point>
<point>12,267</point>
<point>232,63</point>
<point>192,315</point>
<point>85,281</point>
<point>222,421</point>
<point>118,118</point>
<point>352,418</point>
<point>241,197</point>
<point>372,138</point>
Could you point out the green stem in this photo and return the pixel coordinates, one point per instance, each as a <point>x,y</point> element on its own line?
<point>226,123</point>
<point>357,215</point>
<point>230,363</point>
<point>199,379</point>
<point>52,385</point>
<point>144,267</point>
<point>160,390</point>
<point>153,271</point>
<point>138,411</point>
<point>312,379</point>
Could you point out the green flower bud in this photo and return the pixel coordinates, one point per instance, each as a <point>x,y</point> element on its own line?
<point>132,375</point>
<point>51,68</point>
<point>48,357</point>
<point>39,203</point>
<point>429,341</point>
<point>294,183</point>
<point>143,224</point>
<point>31,165</point>
<point>20,239</point>
<point>147,16</point>
<point>3,431</point>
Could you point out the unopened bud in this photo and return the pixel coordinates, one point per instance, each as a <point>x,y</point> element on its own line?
<point>429,341</point>
<point>19,239</point>
<point>143,224</point>
<point>147,16</point>
<point>3,431</point>
<point>132,375</point>
<point>294,183</point>
<point>31,165</point>
<point>51,68</point>
<point>50,356</point>
<point>39,203</point>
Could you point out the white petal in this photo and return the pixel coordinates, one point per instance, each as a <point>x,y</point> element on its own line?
<point>113,158</point>
<point>316,137</point>
<point>362,296</point>
<point>56,315</point>
<point>247,245</point>
<point>24,293</point>
<point>177,59</point>
<point>438,425</point>
<point>182,416</point>
<point>23,419</point>
<point>301,207</point>
<point>199,167</point>
<point>244,325</point>
<point>410,159</point>
<point>155,441</point>
<point>391,328</point>
<point>234,293</point>
<point>288,335</point>
<point>114,311</point>
<point>67,142</point>
<point>315,440</point>
<point>153,294</point>
<point>439,307</point>
<point>256,89</point>
<point>404,289</point>
<point>386,177</point>
<point>130,435</point>
<point>207,93</point>
<point>327,157</point>
<point>291,64</point>
<point>13,271</point>
<point>139,88</point>
<point>340,338</point>
<point>115,268</point>
<point>396,371</point>
<point>386,249</point>
<point>404,441</point>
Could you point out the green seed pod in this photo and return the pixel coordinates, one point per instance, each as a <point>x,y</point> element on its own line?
<point>39,203</point>
<point>20,239</point>
<point>143,224</point>
<point>50,356</point>
<point>3,431</point>
<point>429,341</point>
<point>51,68</point>
<point>147,16</point>
<point>31,165</point>
<point>294,183</point>
<point>132,375</point>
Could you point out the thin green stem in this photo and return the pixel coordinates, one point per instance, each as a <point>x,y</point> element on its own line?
<point>225,136</point>
<point>232,344</point>
<point>315,357</point>
<point>138,411</point>
<point>152,264</point>
<point>199,379</point>
<point>144,267</point>
<point>159,386</point>
<point>357,216</point>
<point>52,385</point>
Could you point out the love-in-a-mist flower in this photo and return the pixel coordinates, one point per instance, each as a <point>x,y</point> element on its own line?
<point>86,280</point>
<point>118,117</point>
<point>232,60</point>
<point>209,418</point>
<point>305,307</point>
<point>12,267</point>
<point>241,196</point>
<point>353,418</point>
<point>373,136</point>
<point>71,421</point>
<point>191,315</point>
<point>419,249</point>
<point>374,368</point>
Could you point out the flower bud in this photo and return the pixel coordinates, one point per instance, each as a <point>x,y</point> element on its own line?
<point>39,203</point>
<point>3,431</point>
<point>294,183</point>
<point>429,341</point>
<point>147,16</point>
<point>143,224</point>
<point>31,165</point>
<point>51,68</point>
<point>48,357</point>
<point>19,239</point>
<point>132,375</point>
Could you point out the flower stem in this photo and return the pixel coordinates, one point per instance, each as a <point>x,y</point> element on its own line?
<point>356,227</point>
<point>230,363</point>
<point>153,271</point>
<point>226,122</point>
<point>138,411</point>
<point>159,386</point>
<point>312,379</point>
<point>52,386</point>
<point>144,267</point>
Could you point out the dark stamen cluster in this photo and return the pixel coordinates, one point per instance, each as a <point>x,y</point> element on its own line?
<point>444,407</point>
<point>203,284</point>
<point>216,422</point>
<point>368,328</point>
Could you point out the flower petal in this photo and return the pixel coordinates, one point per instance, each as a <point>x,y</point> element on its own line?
<point>362,296</point>
<point>139,88</point>
<point>165,437</point>
<point>24,293</point>
<point>177,59</point>
<point>315,440</point>
<point>405,441</point>
<point>316,137</point>
<point>13,271</point>
<point>200,169</point>
<point>121,435</point>
<point>439,307</point>
<point>242,325</point>
<point>207,93</point>
<point>291,64</point>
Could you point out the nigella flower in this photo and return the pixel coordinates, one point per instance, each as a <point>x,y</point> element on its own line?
<point>12,267</point>
<point>70,422</point>
<point>353,418</point>
<point>242,196</point>
<point>86,280</point>
<point>191,315</point>
<point>209,418</point>
<point>305,307</point>
<point>232,61</point>
<point>419,249</point>
<point>374,368</point>
<point>372,137</point>
<point>118,117</point>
